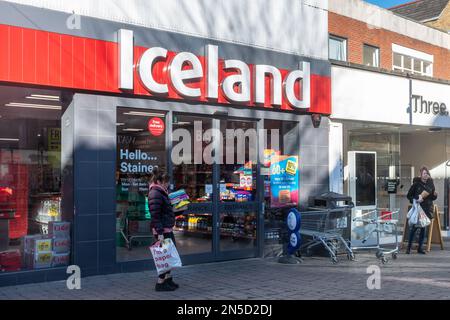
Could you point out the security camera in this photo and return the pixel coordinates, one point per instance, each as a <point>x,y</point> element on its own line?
<point>316,118</point>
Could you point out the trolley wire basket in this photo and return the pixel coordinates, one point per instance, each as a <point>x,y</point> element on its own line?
<point>376,224</point>
<point>327,228</point>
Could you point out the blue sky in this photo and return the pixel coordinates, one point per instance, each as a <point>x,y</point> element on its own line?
<point>387,3</point>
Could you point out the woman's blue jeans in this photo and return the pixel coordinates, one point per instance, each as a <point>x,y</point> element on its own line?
<point>412,232</point>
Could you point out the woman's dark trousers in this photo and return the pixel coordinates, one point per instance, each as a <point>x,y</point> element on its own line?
<point>412,233</point>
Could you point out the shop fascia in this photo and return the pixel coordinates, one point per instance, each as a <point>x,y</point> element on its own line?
<point>179,76</point>
<point>422,105</point>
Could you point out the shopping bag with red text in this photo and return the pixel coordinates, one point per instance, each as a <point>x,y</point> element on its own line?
<point>165,256</point>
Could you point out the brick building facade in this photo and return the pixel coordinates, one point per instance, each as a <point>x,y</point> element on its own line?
<point>370,29</point>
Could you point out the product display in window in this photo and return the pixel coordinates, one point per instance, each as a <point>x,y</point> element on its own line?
<point>238,226</point>
<point>231,225</point>
<point>48,250</point>
<point>238,185</point>
<point>34,233</point>
<point>195,180</point>
<point>179,200</point>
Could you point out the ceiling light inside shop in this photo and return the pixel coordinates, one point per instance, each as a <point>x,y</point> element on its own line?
<point>120,124</point>
<point>133,130</point>
<point>8,139</point>
<point>143,114</point>
<point>33,106</point>
<point>43,97</point>
<point>181,123</point>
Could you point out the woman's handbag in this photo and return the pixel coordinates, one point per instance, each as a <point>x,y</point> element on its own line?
<point>165,256</point>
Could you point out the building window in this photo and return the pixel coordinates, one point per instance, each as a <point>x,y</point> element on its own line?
<point>337,48</point>
<point>34,231</point>
<point>412,61</point>
<point>371,56</point>
<point>141,147</point>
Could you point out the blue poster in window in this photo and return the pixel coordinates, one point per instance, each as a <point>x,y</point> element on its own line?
<point>284,181</point>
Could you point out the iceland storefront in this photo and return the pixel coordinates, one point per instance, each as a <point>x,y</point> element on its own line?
<point>90,105</point>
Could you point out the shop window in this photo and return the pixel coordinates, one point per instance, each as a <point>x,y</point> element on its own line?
<point>281,180</point>
<point>337,48</point>
<point>141,147</point>
<point>238,168</point>
<point>34,232</point>
<point>371,56</point>
<point>191,173</point>
<point>237,185</point>
<point>193,227</point>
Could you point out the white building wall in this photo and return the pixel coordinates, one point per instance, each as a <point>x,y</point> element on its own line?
<point>291,26</point>
<point>363,95</point>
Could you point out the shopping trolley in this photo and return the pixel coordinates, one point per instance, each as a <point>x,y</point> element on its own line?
<point>379,221</point>
<point>326,228</point>
<point>135,228</point>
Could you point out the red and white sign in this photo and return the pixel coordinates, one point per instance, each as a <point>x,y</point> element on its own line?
<point>156,126</point>
<point>56,60</point>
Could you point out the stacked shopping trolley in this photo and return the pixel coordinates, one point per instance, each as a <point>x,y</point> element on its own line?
<point>377,223</point>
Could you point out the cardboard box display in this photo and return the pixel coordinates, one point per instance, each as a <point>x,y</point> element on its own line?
<point>61,245</point>
<point>37,243</point>
<point>28,242</point>
<point>43,245</point>
<point>39,260</point>
<point>60,259</point>
<point>59,229</point>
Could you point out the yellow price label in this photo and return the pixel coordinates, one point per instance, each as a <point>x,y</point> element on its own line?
<point>45,258</point>
<point>44,246</point>
<point>291,167</point>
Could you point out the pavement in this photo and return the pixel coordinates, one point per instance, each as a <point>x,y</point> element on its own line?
<point>316,278</point>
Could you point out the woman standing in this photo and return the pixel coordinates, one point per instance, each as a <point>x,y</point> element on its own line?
<point>424,193</point>
<point>163,220</point>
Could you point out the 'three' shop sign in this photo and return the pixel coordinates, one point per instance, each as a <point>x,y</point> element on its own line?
<point>183,70</point>
<point>421,105</point>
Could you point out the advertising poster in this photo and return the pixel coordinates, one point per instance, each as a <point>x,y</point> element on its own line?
<point>284,184</point>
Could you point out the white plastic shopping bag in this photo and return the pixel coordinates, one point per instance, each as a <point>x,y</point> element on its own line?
<point>165,256</point>
<point>423,221</point>
<point>413,214</point>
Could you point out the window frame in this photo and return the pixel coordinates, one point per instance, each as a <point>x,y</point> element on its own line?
<point>415,56</point>
<point>378,50</point>
<point>338,38</point>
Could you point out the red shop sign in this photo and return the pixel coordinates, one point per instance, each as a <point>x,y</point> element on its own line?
<point>156,126</point>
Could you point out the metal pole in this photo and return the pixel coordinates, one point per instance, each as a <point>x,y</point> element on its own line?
<point>410,100</point>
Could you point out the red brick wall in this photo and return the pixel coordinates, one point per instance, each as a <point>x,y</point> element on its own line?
<point>359,33</point>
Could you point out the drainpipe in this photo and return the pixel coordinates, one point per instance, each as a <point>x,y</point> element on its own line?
<point>410,99</point>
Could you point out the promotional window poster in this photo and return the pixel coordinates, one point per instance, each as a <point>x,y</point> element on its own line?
<point>284,181</point>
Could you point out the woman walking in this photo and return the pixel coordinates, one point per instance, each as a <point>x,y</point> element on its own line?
<point>163,220</point>
<point>423,191</point>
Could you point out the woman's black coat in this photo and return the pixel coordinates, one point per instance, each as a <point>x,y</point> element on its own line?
<point>161,212</point>
<point>417,188</point>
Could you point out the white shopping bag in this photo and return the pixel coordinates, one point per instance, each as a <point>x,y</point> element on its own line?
<point>165,256</point>
<point>423,221</point>
<point>413,214</point>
